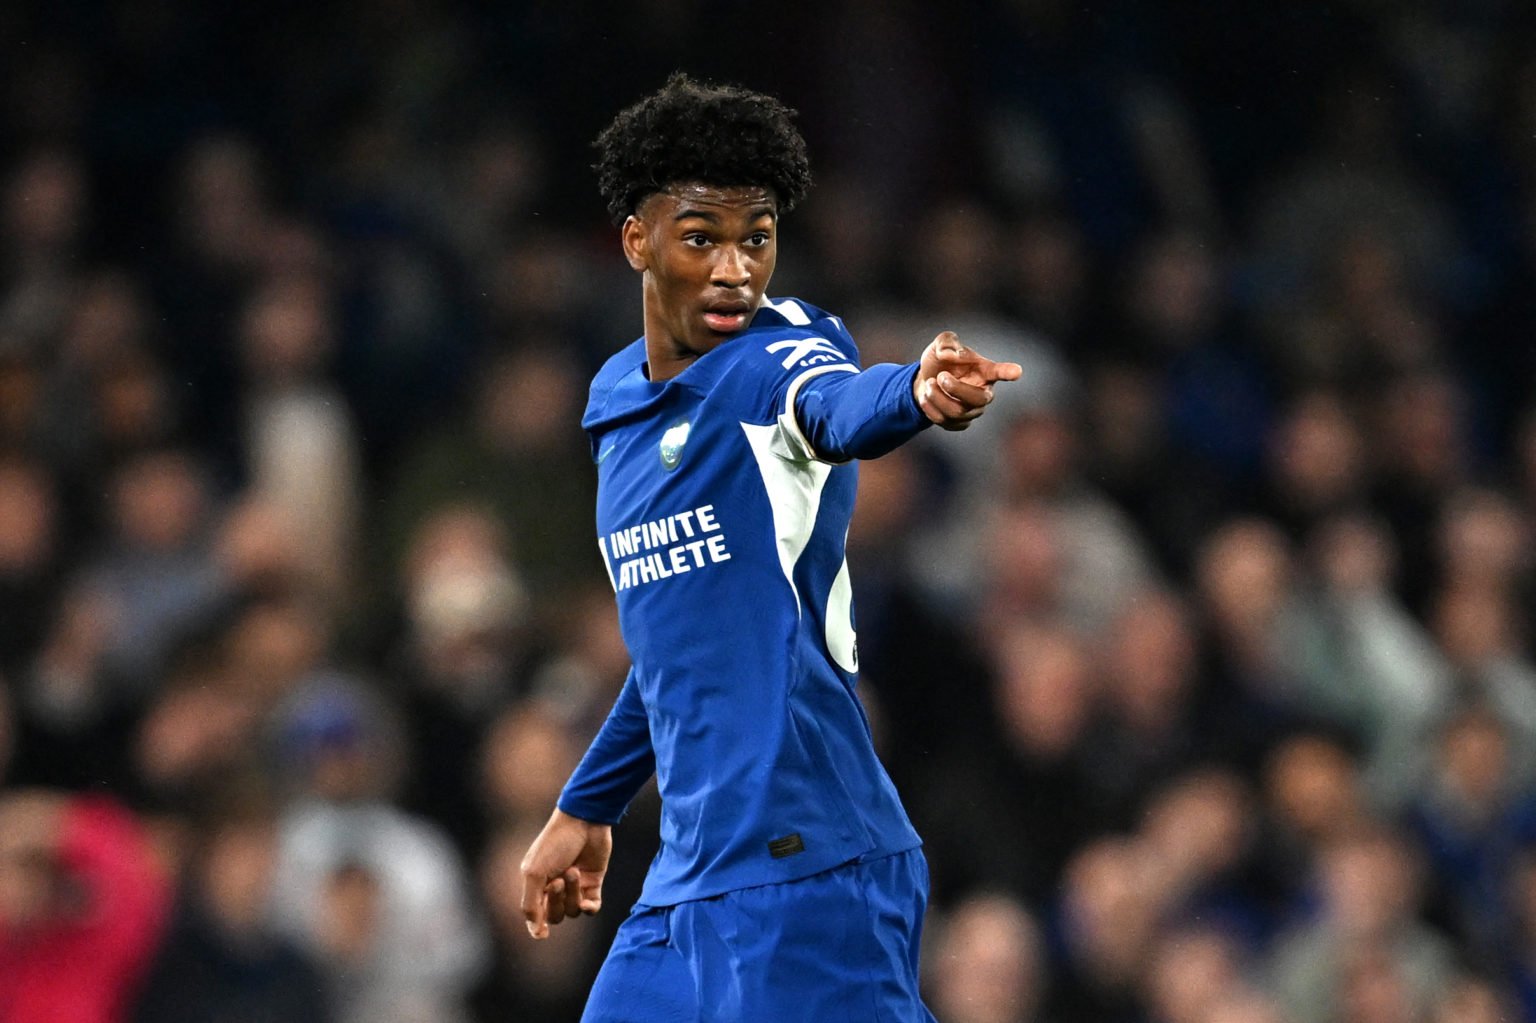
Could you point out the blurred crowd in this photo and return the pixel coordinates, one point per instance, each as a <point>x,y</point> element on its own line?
<point>302,624</point>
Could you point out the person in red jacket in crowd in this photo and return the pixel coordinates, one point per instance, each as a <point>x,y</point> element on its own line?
<point>83,904</point>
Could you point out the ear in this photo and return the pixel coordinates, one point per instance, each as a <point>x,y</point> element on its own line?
<point>636,242</point>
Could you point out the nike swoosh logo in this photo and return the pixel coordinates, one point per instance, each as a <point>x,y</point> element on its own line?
<point>605,453</point>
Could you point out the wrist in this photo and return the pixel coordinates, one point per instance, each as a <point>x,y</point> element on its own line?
<point>576,816</point>
<point>918,384</point>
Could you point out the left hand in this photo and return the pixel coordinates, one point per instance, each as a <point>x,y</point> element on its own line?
<point>953,385</point>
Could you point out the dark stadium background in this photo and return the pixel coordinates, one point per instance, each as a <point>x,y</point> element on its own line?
<point>301,621</point>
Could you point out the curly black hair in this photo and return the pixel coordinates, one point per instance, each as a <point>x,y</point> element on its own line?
<point>721,135</point>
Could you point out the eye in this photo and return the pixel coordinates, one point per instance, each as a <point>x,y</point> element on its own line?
<point>697,239</point>
<point>758,238</point>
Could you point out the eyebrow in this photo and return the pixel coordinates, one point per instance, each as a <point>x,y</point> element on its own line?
<point>684,214</point>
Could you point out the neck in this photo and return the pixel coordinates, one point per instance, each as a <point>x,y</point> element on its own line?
<point>665,355</point>
<point>663,362</point>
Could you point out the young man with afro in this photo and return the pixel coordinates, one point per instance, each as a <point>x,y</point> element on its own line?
<point>790,885</point>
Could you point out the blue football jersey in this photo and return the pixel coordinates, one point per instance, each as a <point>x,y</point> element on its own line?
<point>722,517</point>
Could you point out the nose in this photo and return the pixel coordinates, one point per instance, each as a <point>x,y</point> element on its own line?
<point>731,268</point>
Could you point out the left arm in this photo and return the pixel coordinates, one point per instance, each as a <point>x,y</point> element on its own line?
<point>864,415</point>
<point>859,415</point>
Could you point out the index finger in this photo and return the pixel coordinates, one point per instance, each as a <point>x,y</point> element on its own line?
<point>1002,370</point>
<point>977,368</point>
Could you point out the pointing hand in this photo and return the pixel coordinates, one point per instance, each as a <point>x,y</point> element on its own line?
<point>954,383</point>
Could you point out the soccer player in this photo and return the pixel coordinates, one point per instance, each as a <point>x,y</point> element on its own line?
<point>790,885</point>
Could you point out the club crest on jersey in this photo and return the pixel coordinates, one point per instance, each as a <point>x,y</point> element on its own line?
<point>672,443</point>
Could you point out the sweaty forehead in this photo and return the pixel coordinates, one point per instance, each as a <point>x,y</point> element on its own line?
<point>695,195</point>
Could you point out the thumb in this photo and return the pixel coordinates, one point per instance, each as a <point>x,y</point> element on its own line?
<point>536,909</point>
<point>946,347</point>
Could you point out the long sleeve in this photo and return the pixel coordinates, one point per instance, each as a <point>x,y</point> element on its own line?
<point>858,415</point>
<point>618,762</point>
<point>85,965</point>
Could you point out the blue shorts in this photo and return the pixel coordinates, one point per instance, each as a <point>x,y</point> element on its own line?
<point>837,947</point>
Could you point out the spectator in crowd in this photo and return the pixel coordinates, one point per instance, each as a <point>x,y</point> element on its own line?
<point>1049,277</point>
<point>1365,956</point>
<point>82,906</point>
<point>222,960</point>
<point>108,392</point>
<point>1245,578</point>
<point>1151,725</point>
<point>1471,818</point>
<point>527,755</point>
<point>1198,830</point>
<point>1106,929</point>
<point>379,897</point>
<point>1176,325</point>
<point>900,627</point>
<point>1478,630</point>
<point>1367,666</point>
<point>580,675</point>
<point>987,963</point>
<point>1192,973</point>
<point>199,729</point>
<point>1105,563</point>
<point>463,656</point>
<point>45,206</point>
<point>1027,796</point>
<point>31,534</point>
<point>1421,446</point>
<point>299,441</point>
<point>513,454</point>
<point>1315,463</point>
<point>154,578</point>
<point>1314,794</point>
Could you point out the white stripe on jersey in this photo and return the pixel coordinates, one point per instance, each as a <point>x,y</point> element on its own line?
<point>842,641</point>
<point>791,311</point>
<point>794,494</point>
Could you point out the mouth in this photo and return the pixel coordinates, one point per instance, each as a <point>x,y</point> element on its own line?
<point>728,317</point>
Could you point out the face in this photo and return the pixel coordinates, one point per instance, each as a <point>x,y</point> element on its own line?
<point>237,875</point>
<point>27,891</point>
<point>706,255</point>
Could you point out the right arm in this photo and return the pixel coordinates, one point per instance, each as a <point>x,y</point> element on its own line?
<point>618,762</point>
<point>564,868</point>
